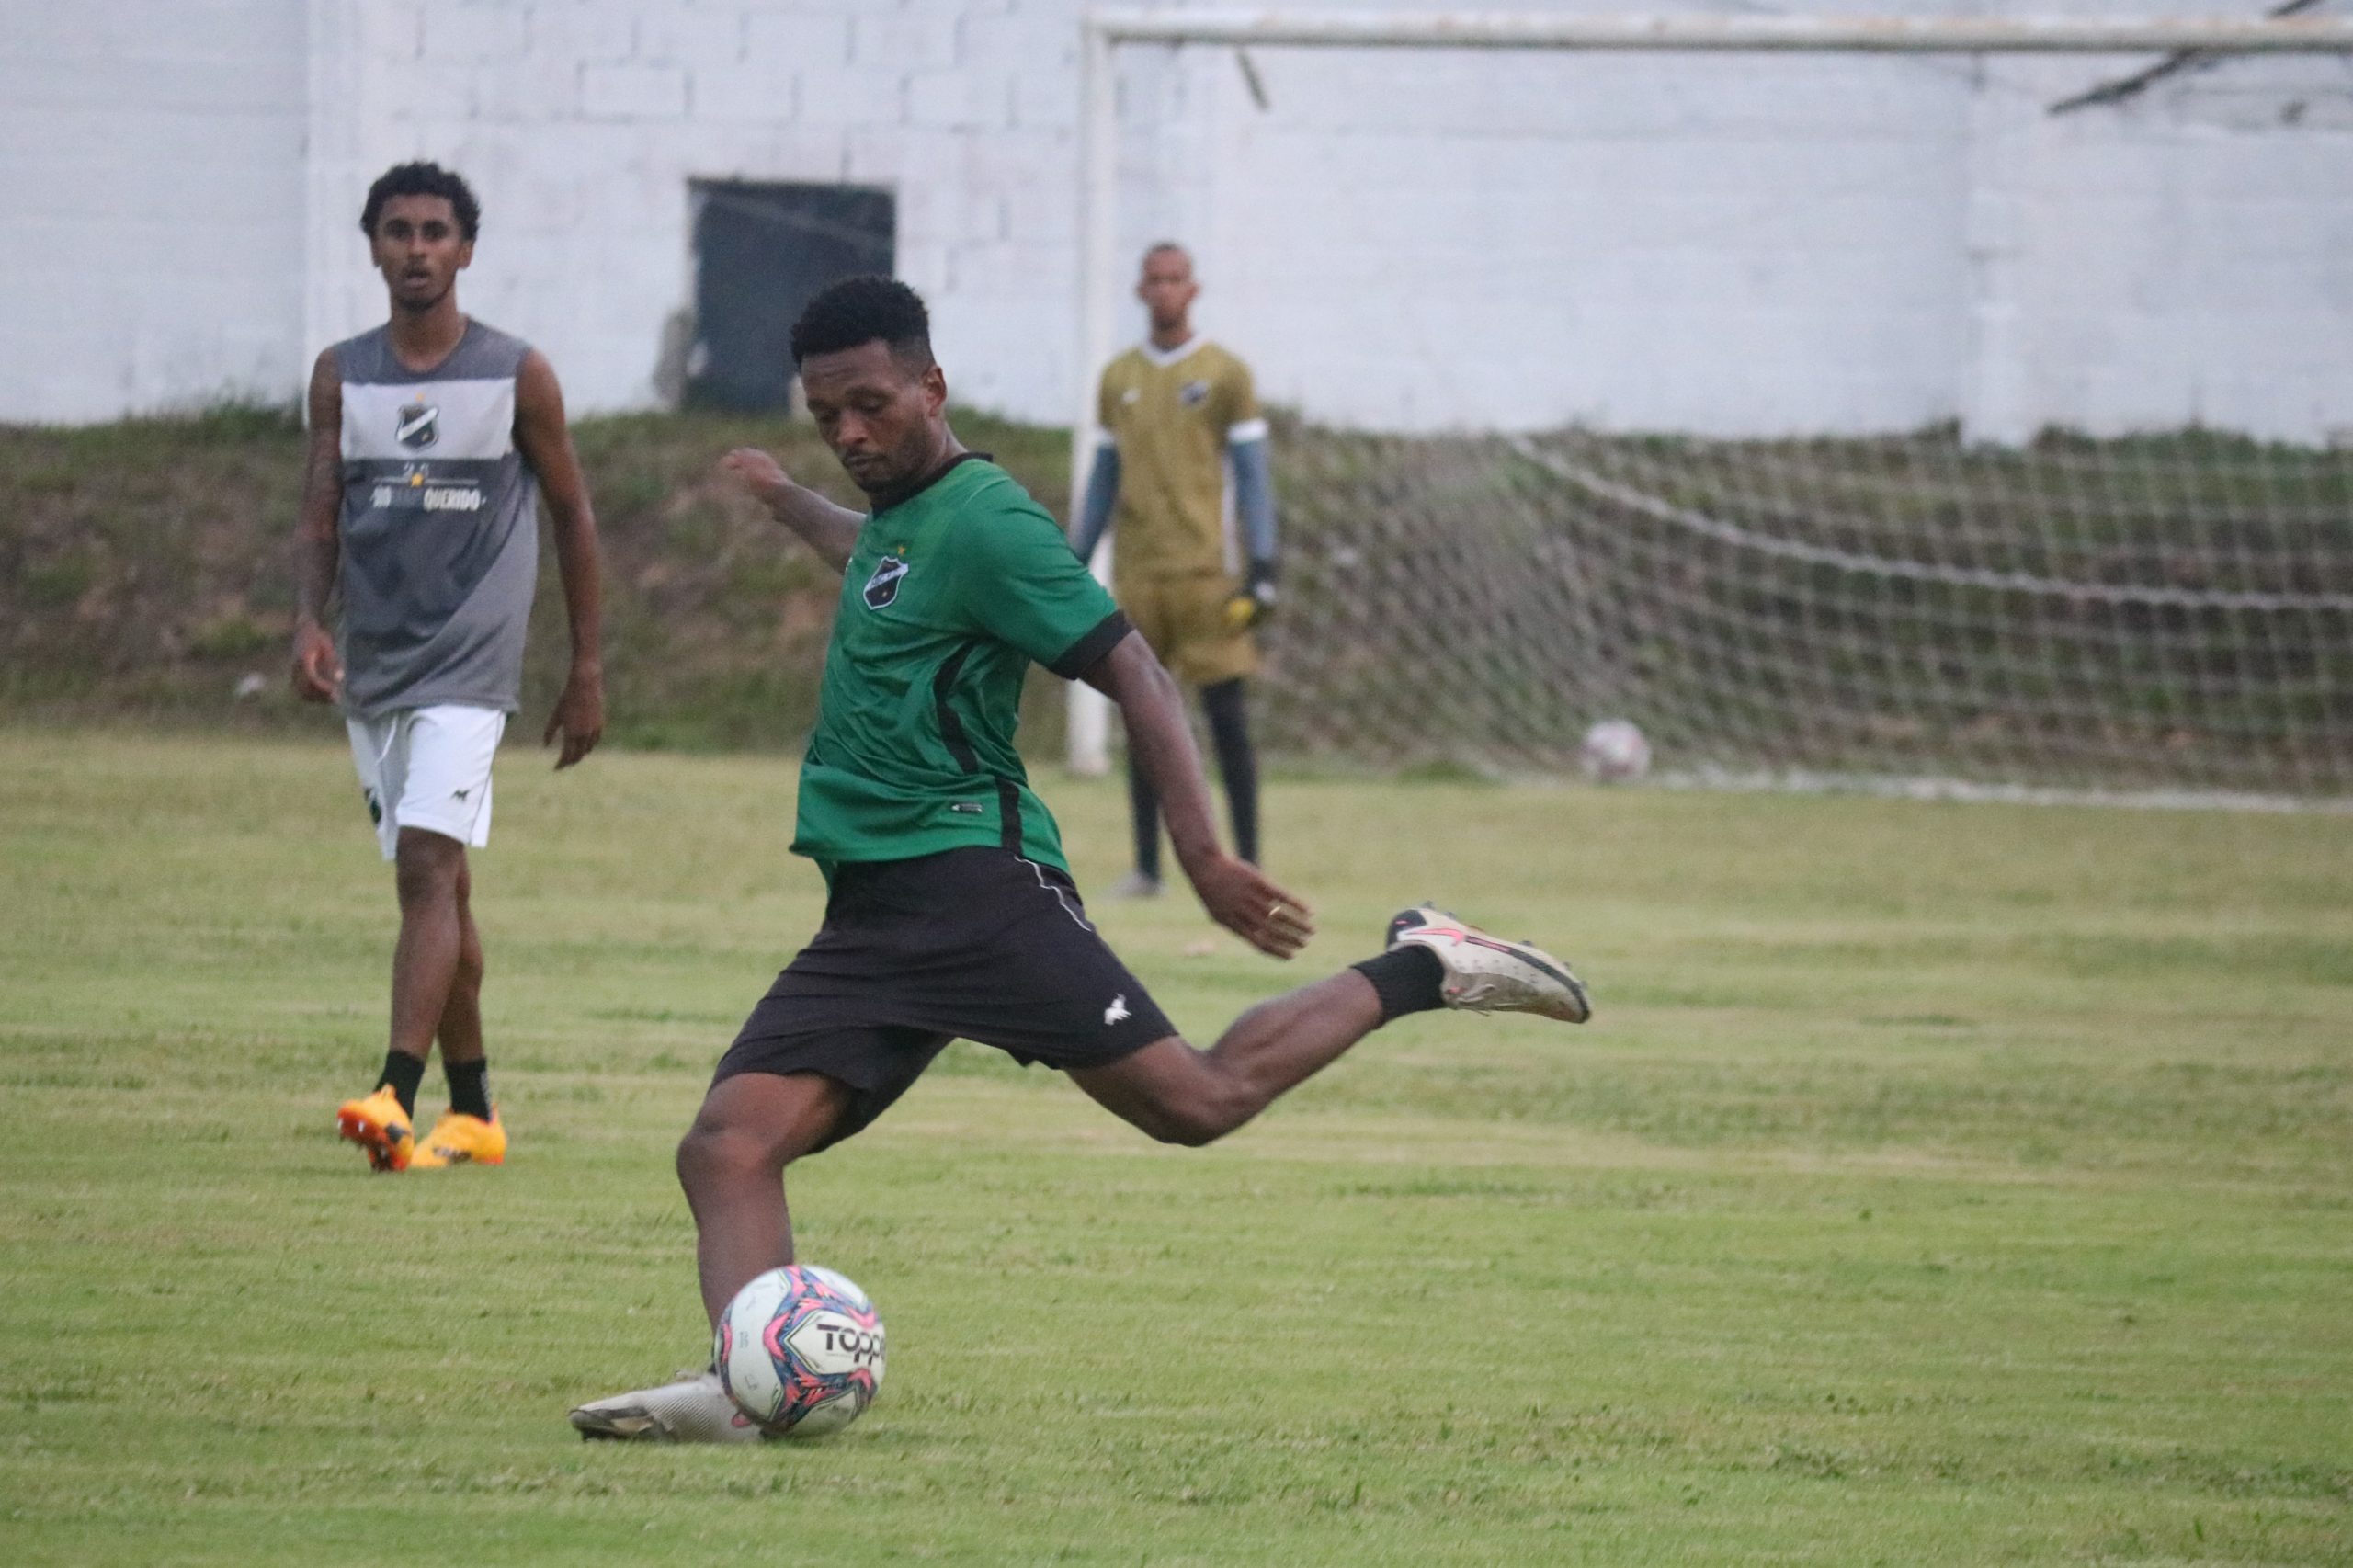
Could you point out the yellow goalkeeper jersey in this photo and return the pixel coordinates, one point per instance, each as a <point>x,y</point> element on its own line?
<point>1171,413</point>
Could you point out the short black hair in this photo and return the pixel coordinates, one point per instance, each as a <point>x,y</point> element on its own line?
<point>865,310</point>
<point>422,179</point>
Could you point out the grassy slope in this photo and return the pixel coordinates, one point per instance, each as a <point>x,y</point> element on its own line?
<point>144,573</point>
<point>1941,1184</point>
<point>144,569</point>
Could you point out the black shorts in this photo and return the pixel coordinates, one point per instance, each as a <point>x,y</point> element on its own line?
<point>974,944</point>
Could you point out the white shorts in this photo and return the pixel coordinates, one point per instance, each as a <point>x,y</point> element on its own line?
<point>430,769</point>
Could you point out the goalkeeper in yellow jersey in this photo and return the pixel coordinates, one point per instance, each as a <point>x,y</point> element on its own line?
<point>1183,461</point>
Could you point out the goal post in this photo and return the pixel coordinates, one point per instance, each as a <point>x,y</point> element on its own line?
<point>1833,565</point>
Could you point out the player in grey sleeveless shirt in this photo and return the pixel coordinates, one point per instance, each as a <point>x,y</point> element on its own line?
<point>432,439</point>
<point>439,526</point>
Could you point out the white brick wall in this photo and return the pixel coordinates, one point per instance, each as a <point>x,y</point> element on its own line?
<point>1719,244</point>
<point>151,168</point>
<point>1763,245</point>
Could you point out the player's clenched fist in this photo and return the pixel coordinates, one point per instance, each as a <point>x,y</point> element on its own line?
<point>760,473</point>
<point>828,530</point>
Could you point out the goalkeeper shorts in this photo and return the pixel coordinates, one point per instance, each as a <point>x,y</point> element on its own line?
<point>1183,617</point>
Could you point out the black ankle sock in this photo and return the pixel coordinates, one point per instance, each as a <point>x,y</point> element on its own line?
<point>1406,980</point>
<point>403,1073</point>
<point>468,1087</point>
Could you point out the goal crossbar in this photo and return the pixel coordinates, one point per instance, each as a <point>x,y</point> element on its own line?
<point>1102,31</point>
<point>1905,35</point>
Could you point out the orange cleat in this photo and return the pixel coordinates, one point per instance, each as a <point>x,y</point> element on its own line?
<point>380,1128</point>
<point>460,1139</point>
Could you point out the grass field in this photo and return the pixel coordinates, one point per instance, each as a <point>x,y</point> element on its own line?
<point>1940,1184</point>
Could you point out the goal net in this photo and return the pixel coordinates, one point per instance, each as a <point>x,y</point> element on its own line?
<point>1913,415</point>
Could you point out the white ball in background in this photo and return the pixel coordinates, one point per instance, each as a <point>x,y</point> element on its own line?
<point>1615,751</point>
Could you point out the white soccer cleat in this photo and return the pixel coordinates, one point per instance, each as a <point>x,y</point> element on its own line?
<point>694,1409</point>
<point>1487,974</point>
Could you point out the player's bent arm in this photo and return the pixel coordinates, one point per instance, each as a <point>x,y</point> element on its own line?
<point>545,441</point>
<point>1153,709</point>
<point>1233,891</point>
<point>318,676</point>
<point>829,530</point>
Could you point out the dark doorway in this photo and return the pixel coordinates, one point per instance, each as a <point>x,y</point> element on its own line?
<point>762,252</point>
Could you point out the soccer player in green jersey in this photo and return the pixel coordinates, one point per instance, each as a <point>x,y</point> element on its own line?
<point>951,911</point>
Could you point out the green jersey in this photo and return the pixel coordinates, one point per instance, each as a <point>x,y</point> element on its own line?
<point>949,596</point>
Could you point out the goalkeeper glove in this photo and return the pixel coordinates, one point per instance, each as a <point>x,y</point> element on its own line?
<point>1254,605</point>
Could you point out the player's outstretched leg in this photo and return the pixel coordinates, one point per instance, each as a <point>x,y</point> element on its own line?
<point>732,1165</point>
<point>1179,1095</point>
<point>1486,975</point>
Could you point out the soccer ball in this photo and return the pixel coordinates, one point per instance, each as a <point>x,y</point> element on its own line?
<point>799,1351</point>
<point>1614,751</point>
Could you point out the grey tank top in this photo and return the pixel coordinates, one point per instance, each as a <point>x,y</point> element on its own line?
<point>440,525</point>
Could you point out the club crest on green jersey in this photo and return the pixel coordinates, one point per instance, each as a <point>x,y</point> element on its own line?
<point>883,587</point>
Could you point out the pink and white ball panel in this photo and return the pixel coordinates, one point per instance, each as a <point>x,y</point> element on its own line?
<point>801,1350</point>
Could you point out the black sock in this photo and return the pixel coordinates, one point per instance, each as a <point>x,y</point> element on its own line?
<point>1406,980</point>
<point>1237,765</point>
<point>1144,808</point>
<point>469,1086</point>
<point>403,1073</point>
